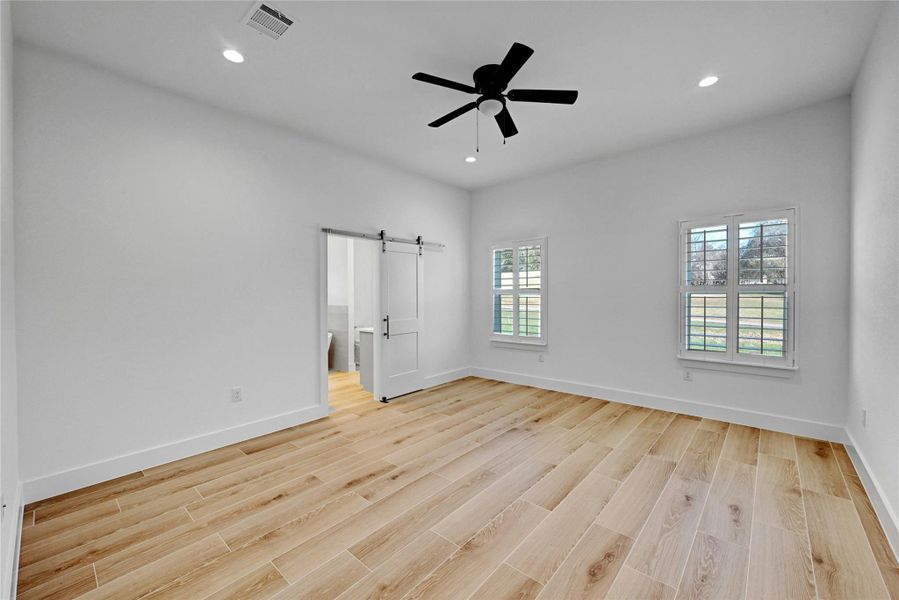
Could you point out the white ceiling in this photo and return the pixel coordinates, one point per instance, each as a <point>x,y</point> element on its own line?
<point>342,73</point>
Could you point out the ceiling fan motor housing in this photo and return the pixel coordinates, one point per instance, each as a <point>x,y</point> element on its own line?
<point>483,81</point>
<point>491,102</point>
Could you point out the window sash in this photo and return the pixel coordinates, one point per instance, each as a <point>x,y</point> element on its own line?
<point>517,293</point>
<point>733,289</point>
<point>707,318</point>
<point>764,326</point>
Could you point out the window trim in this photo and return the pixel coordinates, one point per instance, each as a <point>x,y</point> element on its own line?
<point>742,362</point>
<point>515,339</point>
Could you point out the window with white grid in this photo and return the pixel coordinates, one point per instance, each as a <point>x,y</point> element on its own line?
<point>738,289</point>
<point>518,275</point>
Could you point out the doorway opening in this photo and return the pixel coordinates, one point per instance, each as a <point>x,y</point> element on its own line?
<point>371,318</point>
<point>352,319</point>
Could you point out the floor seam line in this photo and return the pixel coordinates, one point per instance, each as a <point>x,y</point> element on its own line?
<point>808,533</point>
<point>859,518</point>
<point>705,503</point>
<point>649,514</point>
<point>755,491</point>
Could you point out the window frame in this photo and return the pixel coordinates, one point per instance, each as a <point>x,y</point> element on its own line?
<point>515,339</point>
<point>733,288</point>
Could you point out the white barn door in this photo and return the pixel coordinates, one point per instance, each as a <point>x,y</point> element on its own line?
<point>401,304</point>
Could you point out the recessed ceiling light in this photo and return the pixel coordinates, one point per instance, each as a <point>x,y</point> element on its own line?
<point>707,81</point>
<point>233,55</point>
<point>471,159</point>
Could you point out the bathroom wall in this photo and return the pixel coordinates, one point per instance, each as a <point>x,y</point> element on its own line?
<point>365,272</point>
<point>340,301</point>
<point>338,324</point>
<point>338,257</point>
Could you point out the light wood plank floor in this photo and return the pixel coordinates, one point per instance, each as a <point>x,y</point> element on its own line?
<point>475,489</point>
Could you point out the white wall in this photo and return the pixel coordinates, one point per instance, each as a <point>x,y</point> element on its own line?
<point>612,227</point>
<point>365,269</point>
<point>340,301</point>
<point>338,279</point>
<point>874,307</point>
<point>9,438</point>
<point>169,251</point>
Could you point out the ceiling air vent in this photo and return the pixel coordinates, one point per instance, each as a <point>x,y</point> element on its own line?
<point>267,20</point>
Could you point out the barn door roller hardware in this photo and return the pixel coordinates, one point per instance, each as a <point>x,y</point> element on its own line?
<point>382,237</point>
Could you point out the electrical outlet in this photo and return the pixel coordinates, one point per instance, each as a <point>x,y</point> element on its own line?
<point>864,417</point>
<point>688,375</point>
<point>236,395</point>
<point>539,358</point>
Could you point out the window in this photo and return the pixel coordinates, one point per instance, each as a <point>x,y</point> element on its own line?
<point>738,289</point>
<point>518,274</point>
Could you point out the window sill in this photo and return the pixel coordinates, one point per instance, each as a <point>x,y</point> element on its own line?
<point>518,344</point>
<point>711,364</point>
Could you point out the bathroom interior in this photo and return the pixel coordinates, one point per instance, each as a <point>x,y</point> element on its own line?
<point>352,280</point>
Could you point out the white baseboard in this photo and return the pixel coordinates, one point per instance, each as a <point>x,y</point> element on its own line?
<point>446,377</point>
<point>11,541</point>
<point>886,513</point>
<point>79,477</point>
<point>814,429</point>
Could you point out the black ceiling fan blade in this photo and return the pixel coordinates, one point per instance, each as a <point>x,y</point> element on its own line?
<point>547,96</point>
<point>450,116</point>
<point>516,57</point>
<point>506,124</point>
<point>453,85</point>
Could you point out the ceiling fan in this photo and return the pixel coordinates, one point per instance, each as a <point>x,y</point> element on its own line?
<point>490,82</point>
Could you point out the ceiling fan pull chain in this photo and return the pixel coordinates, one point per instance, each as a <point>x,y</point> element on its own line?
<point>505,120</point>
<point>477,133</point>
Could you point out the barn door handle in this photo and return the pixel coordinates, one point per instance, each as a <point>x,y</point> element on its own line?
<point>387,320</point>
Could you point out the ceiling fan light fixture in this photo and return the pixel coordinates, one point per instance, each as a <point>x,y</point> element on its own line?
<point>490,107</point>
